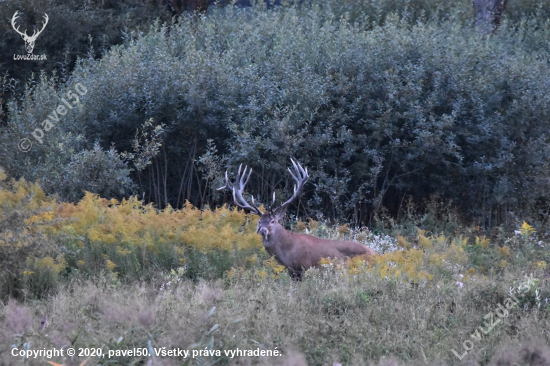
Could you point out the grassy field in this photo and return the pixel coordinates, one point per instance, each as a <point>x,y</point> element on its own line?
<point>328,318</point>
<point>115,279</point>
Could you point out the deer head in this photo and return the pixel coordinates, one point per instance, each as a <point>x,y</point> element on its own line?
<point>29,41</point>
<point>269,220</point>
<point>296,251</point>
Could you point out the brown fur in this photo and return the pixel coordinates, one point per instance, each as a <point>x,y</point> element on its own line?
<point>298,252</point>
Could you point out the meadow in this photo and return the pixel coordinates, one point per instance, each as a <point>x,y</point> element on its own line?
<point>118,276</point>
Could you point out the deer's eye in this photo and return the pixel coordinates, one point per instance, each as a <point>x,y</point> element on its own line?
<point>272,221</point>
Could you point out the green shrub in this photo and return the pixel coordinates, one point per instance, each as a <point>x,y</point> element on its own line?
<point>98,171</point>
<point>75,29</point>
<point>21,238</point>
<point>377,112</point>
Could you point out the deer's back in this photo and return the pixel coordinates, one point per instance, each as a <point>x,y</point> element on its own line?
<point>308,250</point>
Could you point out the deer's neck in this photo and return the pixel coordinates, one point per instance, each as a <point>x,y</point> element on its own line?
<point>279,242</point>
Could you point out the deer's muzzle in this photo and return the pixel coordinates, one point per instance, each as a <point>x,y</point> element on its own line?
<point>263,232</point>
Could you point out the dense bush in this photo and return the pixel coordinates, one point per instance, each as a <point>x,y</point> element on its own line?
<point>102,172</point>
<point>377,112</point>
<point>22,238</point>
<point>74,29</point>
<point>130,240</point>
<point>460,11</point>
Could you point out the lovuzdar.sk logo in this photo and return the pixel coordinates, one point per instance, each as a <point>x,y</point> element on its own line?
<point>29,40</point>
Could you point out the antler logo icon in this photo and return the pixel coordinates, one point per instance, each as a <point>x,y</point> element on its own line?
<point>29,41</point>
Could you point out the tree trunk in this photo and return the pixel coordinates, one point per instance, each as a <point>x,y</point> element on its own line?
<point>487,14</point>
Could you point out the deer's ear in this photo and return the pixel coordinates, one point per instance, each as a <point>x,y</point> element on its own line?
<point>279,214</point>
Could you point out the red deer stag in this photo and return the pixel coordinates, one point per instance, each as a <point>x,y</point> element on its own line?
<point>297,252</point>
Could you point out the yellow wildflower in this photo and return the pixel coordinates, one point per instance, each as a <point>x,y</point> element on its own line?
<point>313,225</point>
<point>424,241</point>
<point>402,242</point>
<point>300,225</point>
<point>504,251</point>
<point>483,241</point>
<point>526,230</point>
<point>343,229</point>
<point>110,264</point>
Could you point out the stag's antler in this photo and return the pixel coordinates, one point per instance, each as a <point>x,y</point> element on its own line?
<point>301,177</point>
<point>238,188</point>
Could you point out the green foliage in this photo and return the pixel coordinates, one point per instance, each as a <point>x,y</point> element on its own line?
<point>146,145</point>
<point>405,105</point>
<point>75,29</point>
<point>459,11</point>
<point>93,170</point>
<point>20,237</point>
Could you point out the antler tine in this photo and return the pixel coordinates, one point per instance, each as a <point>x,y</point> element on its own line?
<point>227,184</point>
<point>238,187</point>
<point>247,178</point>
<point>301,177</point>
<point>238,193</point>
<point>256,206</point>
<point>239,173</point>
<point>299,169</point>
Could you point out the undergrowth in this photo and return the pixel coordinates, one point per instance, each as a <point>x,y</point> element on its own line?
<point>123,275</point>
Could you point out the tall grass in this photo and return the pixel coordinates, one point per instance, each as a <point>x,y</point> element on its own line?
<point>124,276</point>
<point>328,318</point>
